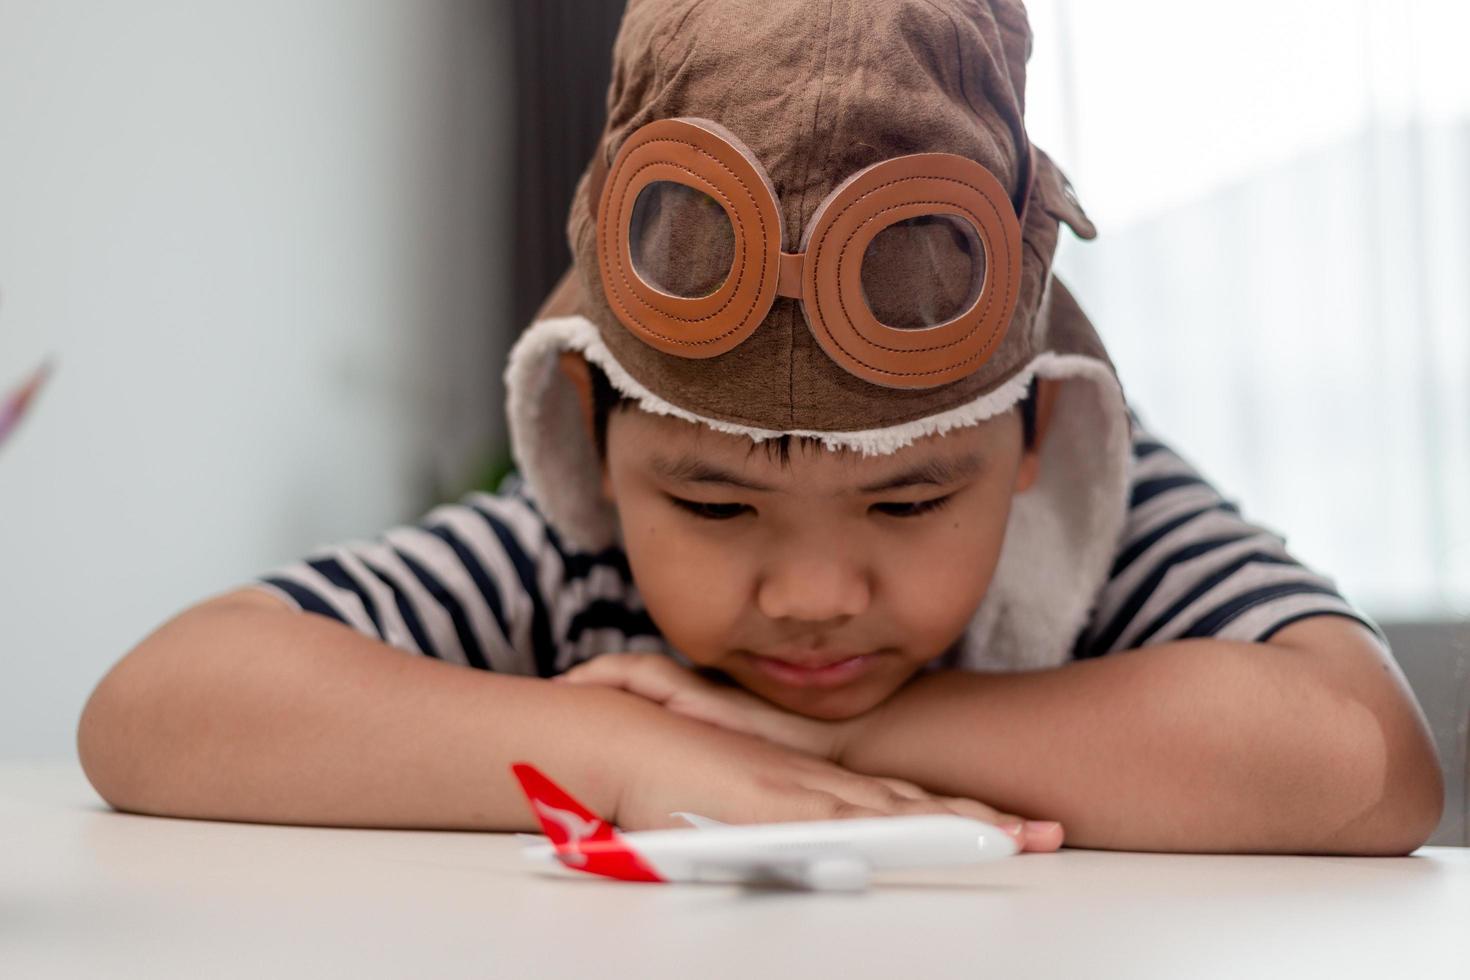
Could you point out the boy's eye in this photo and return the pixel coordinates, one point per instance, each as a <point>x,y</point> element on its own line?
<point>724,512</point>
<point>713,512</point>
<point>913,509</point>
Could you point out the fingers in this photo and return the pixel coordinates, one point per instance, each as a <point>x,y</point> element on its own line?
<point>844,810</point>
<point>954,805</point>
<point>1032,835</point>
<point>886,796</point>
<point>891,796</point>
<point>1008,822</point>
<point>647,675</point>
<point>979,811</point>
<point>656,678</point>
<point>904,788</point>
<point>950,804</point>
<point>1044,835</point>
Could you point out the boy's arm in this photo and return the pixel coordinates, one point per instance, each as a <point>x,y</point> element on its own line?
<point>1308,743</point>
<point>244,709</point>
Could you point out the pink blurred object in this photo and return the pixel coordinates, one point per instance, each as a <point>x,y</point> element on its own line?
<point>16,403</point>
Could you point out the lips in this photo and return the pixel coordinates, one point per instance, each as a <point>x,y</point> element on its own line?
<point>832,670</point>
<point>809,660</point>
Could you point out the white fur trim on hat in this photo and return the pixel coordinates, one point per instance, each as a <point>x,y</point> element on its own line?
<point>1061,534</point>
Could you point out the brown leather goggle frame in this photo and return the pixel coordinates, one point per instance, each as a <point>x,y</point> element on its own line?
<point>825,276</point>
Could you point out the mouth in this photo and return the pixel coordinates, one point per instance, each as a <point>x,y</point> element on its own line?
<point>831,671</point>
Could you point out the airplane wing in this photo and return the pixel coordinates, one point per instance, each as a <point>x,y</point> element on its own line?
<point>837,871</point>
<point>695,820</point>
<point>828,873</point>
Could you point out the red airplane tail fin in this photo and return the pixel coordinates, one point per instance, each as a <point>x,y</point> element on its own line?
<point>570,826</point>
<point>565,820</point>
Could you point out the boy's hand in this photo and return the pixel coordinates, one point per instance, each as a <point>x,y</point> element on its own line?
<point>672,764</point>
<point>787,775</point>
<point>661,680</point>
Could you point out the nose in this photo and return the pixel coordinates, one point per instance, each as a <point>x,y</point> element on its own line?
<point>814,588</point>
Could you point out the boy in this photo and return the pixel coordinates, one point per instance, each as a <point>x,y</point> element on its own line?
<point>812,425</point>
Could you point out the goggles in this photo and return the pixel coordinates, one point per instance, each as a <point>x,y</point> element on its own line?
<point>908,272</point>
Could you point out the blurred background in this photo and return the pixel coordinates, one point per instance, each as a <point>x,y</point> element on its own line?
<point>278,251</point>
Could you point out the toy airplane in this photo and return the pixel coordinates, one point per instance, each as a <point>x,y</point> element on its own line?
<point>817,854</point>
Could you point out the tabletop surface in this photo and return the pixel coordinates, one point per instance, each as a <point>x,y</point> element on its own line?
<point>85,891</point>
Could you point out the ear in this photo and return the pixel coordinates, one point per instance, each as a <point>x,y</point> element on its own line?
<point>1047,390</point>
<point>574,366</point>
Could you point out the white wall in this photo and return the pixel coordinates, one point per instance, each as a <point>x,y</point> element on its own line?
<point>264,242</point>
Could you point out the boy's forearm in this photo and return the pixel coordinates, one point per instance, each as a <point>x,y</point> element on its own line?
<point>1198,745</point>
<point>275,716</point>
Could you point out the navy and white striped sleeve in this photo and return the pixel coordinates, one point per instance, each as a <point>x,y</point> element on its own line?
<point>484,582</point>
<point>1189,565</point>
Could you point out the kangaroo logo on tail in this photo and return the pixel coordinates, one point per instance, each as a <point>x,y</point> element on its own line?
<point>582,838</point>
<point>574,829</point>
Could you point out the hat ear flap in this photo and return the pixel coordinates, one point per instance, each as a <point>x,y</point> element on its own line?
<point>1054,193</point>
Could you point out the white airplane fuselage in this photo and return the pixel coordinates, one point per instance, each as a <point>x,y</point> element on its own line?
<point>818,853</point>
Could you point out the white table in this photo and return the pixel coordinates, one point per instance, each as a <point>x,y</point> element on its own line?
<point>86,892</point>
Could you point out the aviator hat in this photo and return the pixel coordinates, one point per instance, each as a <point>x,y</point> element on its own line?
<point>828,220</point>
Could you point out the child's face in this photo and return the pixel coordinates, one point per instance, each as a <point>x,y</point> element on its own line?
<point>819,565</point>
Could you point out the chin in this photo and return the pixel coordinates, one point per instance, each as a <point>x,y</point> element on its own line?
<point>837,704</point>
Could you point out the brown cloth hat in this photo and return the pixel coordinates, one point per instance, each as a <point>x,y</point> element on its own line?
<point>803,98</point>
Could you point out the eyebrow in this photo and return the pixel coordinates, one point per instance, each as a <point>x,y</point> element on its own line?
<point>939,471</point>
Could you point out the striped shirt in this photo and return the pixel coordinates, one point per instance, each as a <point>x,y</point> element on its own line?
<point>487,582</point>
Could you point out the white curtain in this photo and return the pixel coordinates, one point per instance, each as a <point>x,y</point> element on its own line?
<point>1282,273</point>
